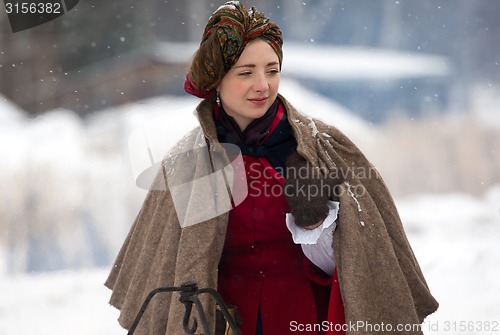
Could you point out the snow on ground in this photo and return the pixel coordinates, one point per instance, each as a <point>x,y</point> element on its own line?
<point>57,303</point>
<point>455,238</point>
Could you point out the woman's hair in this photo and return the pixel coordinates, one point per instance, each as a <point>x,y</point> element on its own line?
<point>226,34</point>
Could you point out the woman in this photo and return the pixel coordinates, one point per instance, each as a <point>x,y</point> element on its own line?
<point>247,251</point>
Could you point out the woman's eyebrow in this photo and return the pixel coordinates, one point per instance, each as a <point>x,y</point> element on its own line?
<point>253,65</point>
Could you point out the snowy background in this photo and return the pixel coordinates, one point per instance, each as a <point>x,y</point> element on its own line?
<point>74,179</point>
<point>413,83</point>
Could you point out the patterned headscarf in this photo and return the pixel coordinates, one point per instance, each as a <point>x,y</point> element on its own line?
<point>235,27</point>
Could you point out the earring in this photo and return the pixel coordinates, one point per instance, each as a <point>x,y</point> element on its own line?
<point>217,99</point>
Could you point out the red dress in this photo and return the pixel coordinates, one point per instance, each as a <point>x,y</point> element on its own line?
<point>261,267</point>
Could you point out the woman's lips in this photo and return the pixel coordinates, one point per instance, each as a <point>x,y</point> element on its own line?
<point>258,101</point>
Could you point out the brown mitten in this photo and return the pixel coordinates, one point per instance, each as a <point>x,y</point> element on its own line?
<point>307,191</point>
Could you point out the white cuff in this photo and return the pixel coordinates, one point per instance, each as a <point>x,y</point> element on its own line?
<point>317,244</point>
<point>306,236</point>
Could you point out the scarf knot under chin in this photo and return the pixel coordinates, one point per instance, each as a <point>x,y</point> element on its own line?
<point>261,138</point>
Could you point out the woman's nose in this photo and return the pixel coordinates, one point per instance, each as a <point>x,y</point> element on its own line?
<point>261,83</point>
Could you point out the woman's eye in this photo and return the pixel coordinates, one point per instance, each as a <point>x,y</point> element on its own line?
<point>273,71</point>
<point>243,74</point>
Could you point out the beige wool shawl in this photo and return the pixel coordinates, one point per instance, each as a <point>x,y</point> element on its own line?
<point>380,279</point>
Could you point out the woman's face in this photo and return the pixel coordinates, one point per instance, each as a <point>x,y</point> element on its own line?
<point>251,85</point>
